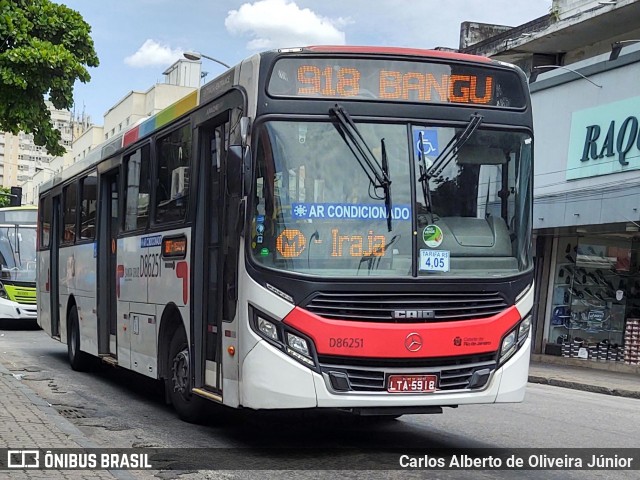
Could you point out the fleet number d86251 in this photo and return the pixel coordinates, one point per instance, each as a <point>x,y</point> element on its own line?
<point>346,342</point>
<point>150,265</point>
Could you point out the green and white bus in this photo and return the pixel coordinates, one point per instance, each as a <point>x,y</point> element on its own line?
<point>18,262</point>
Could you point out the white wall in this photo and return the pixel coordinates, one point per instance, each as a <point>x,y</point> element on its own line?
<point>592,200</point>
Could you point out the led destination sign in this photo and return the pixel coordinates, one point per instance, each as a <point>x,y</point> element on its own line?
<point>381,79</point>
<point>292,242</point>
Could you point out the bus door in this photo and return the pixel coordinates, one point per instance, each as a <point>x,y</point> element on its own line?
<point>54,269</point>
<point>107,264</point>
<point>211,142</point>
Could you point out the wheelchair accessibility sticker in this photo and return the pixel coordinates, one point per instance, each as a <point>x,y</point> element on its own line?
<point>429,143</point>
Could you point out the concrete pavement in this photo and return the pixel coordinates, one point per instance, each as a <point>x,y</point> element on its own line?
<point>27,421</point>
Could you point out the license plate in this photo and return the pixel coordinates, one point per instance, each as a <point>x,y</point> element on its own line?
<point>412,383</point>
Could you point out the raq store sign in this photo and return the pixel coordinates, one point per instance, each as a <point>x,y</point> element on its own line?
<point>604,139</point>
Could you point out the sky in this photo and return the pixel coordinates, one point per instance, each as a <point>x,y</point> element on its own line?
<point>136,40</point>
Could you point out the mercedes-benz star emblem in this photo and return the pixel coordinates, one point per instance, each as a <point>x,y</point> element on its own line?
<point>413,342</point>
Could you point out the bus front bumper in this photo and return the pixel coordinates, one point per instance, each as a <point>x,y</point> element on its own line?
<point>10,310</point>
<point>272,380</point>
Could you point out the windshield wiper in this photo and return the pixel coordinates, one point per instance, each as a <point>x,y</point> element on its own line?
<point>18,250</point>
<point>443,159</point>
<point>453,147</point>
<point>373,259</point>
<point>13,251</point>
<point>377,174</point>
<point>387,188</point>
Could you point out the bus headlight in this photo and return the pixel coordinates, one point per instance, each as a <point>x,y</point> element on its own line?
<point>3,292</point>
<point>297,347</point>
<point>523,329</point>
<point>508,345</point>
<point>298,344</point>
<point>514,339</point>
<point>267,328</point>
<point>285,338</point>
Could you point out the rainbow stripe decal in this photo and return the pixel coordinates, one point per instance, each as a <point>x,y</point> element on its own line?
<point>170,113</point>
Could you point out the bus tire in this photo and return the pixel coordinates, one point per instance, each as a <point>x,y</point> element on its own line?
<point>190,407</point>
<point>77,359</point>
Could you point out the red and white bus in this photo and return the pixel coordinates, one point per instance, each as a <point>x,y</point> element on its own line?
<point>320,227</point>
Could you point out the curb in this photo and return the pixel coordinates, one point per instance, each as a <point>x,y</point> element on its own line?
<point>618,392</point>
<point>58,420</point>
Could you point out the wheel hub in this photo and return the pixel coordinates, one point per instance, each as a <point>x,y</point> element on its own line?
<point>73,342</point>
<point>180,370</point>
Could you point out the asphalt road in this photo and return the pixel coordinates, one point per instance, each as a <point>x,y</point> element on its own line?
<point>115,408</point>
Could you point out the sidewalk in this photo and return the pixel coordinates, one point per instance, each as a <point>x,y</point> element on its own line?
<point>587,379</point>
<point>27,421</point>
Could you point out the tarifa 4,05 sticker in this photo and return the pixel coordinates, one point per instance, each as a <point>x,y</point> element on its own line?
<point>432,236</point>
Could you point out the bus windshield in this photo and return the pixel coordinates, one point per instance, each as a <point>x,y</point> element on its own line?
<point>18,253</point>
<point>315,211</point>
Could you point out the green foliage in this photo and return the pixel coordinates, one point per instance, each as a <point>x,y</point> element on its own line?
<point>44,48</point>
<point>554,13</point>
<point>5,196</point>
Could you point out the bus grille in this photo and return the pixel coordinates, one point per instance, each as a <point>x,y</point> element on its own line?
<point>25,300</point>
<point>24,296</point>
<point>379,307</point>
<point>453,377</point>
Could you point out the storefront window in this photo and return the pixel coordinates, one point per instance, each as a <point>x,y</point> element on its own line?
<point>596,291</point>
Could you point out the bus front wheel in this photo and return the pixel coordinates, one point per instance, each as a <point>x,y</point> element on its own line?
<point>77,359</point>
<point>190,407</point>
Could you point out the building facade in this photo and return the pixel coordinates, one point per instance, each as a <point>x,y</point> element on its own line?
<point>21,158</point>
<point>584,61</point>
<point>587,209</point>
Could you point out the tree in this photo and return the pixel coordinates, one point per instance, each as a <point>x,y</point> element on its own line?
<point>5,196</point>
<point>44,48</point>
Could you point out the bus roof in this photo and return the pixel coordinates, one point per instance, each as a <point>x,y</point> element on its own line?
<point>413,52</point>
<point>18,207</point>
<point>18,215</point>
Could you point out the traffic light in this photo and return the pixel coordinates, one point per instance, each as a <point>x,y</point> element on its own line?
<point>15,200</point>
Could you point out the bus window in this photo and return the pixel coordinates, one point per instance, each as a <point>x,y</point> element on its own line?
<point>7,257</point>
<point>138,187</point>
<point>45,222</point>
<point>69,216</point>
<point>172,184</point>
<point>88,207</point>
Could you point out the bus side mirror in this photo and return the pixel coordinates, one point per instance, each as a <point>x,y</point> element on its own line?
<point>15,199</point>
<point>238,168</point>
